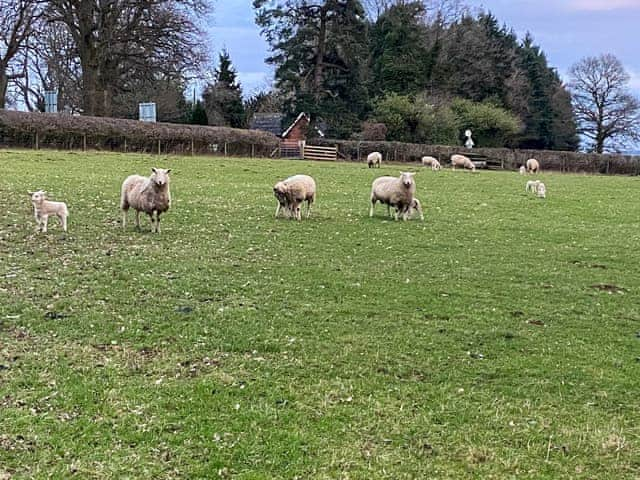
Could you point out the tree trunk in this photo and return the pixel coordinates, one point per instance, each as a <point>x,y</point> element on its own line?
<point>322,50</point>
<point>4,84</point>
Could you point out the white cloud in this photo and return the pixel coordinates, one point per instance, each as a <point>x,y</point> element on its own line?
<point>602,5</point>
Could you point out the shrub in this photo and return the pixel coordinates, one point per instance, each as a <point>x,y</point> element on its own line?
<point>492,126</point>
<point>374,131</point>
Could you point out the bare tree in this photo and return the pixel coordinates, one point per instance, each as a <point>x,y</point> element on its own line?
<point>17,20</point>
<point>120,41</point>
<point>606,111</point>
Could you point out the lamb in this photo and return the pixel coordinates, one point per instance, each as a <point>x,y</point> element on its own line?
<point>428,161</point>
<point>416,206</point>
<point>532,186</point>
<point>373,159</point>
<point>542,190</point>
<point>533,166</point>
<point>435,166</point>
<point>292,191</point>
<point>523,170</point>
<point>394,192</point>
<point>149,195</point>
<point>462,161</point>
<point>43,209</point>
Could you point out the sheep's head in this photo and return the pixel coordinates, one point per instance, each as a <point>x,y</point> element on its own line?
<point>38,197</point>
<point>407,179</point>
<point>280,191</point>
<point>160,177</point>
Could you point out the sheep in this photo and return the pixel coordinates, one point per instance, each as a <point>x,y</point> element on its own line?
<point>416,206</point>
<point>397,192</point>
<point>533,166</point>
<point>428,161</point>
<point>292,191</point>
<point>523,170</point>
<point>373,159</point>
<point>43,209</point>
<point>542,190</point>
<point>532,186</point>
<point>435,166</point>
<point>462,161</point>
<point>146,194</point>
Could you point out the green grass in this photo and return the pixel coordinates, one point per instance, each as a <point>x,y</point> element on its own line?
<point>233,345</point>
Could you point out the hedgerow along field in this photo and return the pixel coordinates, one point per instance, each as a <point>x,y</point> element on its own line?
<point>499,338</point>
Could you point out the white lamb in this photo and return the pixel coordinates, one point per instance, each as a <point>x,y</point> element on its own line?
<point>542,190</point>
<point>396,192</point>
<point>428,161</point>
<point>292,192</point>
<point>532,186</point>
<point>416,206</point>
<point>462,161</point>
<point>43,209</point>
<point>435,166</point>
<point>523,170</point>
<point>150,195</point>
<point>533,166</point>
<point>374,159</point>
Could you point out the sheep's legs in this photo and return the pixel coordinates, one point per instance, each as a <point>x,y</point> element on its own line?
<point>63,220</point>
<point>373,204</point>
<point>138,219</point>
<point>124,219</point>
<point>277,209</point>
<point>157,222</point>
<point>308,209</point>
<point>44,220</point>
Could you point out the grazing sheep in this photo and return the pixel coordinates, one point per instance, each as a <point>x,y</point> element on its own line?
<point>428,161</point>
<point>532,186</point>
<point>397,192</point>
<point>436,166</point>
<point>146,194</point>
<point>373,159</point>
<point>462,161</point>
<point>292,191</point>
<point>533,166</point>
<point>416,206</point>
<point>43,209</point>
<point>542,190</point>
<point>523,170</point>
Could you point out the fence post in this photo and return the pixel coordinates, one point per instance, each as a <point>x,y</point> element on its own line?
<point>253,150</point>
<point>158,146</point>
<point>192,147</point>
<point>37,141</point>
<point>358,151</point>
<point>84,142</point>
<point>225,149</point>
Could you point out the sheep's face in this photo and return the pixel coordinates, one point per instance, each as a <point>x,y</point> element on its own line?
<point>160,176</point>
<point>38,197</point>
<point>280,190</point>
<point>407,179</point>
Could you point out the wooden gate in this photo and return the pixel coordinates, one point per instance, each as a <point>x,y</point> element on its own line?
<point>312,152</point>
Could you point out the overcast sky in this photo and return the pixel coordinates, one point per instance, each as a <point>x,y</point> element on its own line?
<point>567,30</point>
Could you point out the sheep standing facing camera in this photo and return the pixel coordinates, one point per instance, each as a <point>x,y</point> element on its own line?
<point>396,192</point>
<point>43,209</point>
<point>150,195</point>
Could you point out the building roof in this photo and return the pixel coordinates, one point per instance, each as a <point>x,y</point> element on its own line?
<point>296,121</point>
<point>267,122</point>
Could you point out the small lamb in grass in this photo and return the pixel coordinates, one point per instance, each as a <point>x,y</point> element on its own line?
<point>150,195</point>
<point>532,186</point>
<point>523,170</point>
<point>542,190</point>
<point>374,159</point>
<point>292,192</point>
<point>435,166</point>
<point>43,209</point>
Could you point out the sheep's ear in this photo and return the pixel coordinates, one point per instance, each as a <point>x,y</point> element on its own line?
<point>153,169</point>
<point>169,171</point>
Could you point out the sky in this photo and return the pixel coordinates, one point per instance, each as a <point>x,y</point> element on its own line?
<point>567,30</point>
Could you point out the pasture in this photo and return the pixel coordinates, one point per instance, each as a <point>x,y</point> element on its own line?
<point>498,339</point>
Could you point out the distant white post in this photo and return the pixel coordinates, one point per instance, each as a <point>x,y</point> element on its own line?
<point>469,143</point>
<point>147,112</point>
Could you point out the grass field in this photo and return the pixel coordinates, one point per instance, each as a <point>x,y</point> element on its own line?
<point>233,345</point>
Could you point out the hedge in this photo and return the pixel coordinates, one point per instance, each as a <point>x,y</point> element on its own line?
<point>63,131</point>
<point>511,159</point>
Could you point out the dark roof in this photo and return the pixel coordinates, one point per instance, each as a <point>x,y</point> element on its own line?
<point>267,122</point>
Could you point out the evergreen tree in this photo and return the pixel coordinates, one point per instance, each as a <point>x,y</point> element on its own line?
<point>198,115</point>
<point>223,99</point>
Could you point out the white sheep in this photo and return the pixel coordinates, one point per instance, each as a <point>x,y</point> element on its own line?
<point>373,159</point>
<point>533,166</point>
<point>292,191</point>
<point>435,166</point>
<point>532,186</point>
<point>150,195</point>
<point>462,161</point>
<point>542,190</point>
<point>523,170</point>
<point>428,161</point>
<point>416,206</point>
<point>397,192</point>
<point>43,209</point>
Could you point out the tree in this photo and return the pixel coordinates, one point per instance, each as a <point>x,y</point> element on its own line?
<point>17,26</point>
<point>121,42</point>
<point>319,50</point>
<point>223,97</point>
<point>606,111</point>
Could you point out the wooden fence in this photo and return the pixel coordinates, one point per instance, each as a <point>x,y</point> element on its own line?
<point>314,152</point>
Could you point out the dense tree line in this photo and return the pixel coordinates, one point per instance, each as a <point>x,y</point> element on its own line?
<point>418,61</point>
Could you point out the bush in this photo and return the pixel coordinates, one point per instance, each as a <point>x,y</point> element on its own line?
<point>492,126</point>
<point>67,131</point>
<point>374,131</point>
